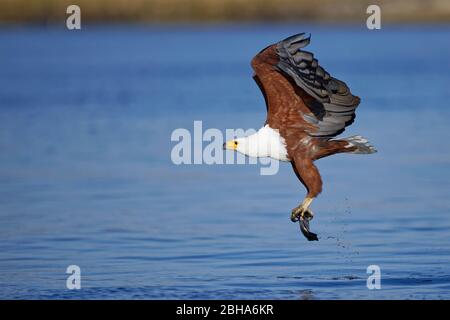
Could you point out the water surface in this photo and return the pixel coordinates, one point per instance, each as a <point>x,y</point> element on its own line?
<point>86,176</point>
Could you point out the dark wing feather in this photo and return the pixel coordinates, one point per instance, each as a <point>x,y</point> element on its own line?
<point>285,106</point>
<point>333,105</point>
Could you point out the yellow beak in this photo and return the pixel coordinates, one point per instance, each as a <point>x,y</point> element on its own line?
<point>230,145</point>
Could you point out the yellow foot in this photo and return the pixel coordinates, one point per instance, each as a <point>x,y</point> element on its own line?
<point>302,211</point>
<point>303,215</point>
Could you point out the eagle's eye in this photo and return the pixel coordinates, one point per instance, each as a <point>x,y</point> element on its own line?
<point>235,143</point>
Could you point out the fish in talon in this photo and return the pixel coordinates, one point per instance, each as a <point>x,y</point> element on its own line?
<point>304,228</point>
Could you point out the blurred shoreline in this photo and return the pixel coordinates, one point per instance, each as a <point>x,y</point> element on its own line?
<point>221,11</point>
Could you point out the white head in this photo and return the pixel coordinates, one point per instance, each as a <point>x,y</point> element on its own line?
<point>264,143</point>
<point>248,145</point>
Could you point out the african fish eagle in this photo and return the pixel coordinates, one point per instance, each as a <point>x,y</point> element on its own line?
<point>306,109</point>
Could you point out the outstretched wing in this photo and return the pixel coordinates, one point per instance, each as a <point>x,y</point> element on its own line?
<point>330,106</point>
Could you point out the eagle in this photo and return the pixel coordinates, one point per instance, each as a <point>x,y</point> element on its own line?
<point>306,109</point>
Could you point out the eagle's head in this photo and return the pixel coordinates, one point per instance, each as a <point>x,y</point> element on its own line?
<point>264,143</point>
<point>241,145</point>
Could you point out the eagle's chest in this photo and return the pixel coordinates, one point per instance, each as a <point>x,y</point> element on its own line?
<point>273,144</point>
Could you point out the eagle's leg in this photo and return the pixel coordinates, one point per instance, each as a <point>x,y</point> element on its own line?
<point>302,211</point>
<point>308,174</point>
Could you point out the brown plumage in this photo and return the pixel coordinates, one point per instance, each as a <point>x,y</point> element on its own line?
<point>309,108</point>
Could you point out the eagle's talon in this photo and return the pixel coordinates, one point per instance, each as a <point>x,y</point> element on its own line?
<point>301,212</point>
<point>308,215</point>
<point>296,214</point>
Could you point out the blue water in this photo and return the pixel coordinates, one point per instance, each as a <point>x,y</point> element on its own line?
<point>86,176</point>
